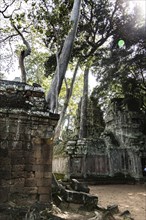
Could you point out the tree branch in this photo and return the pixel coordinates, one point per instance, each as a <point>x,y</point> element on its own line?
<point>28,50</point>
<point>8,37</point>
<point>7,6</point>
<point>103,39</point>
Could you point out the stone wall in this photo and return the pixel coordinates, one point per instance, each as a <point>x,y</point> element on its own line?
<point>26,129</point>
<point>88,158</point>
<point>125,138</point>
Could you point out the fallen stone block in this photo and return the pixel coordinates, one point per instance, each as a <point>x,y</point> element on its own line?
<point>80,198</point>
<point>126,215</point>
<point>113,209</point>
<point>80,187</point>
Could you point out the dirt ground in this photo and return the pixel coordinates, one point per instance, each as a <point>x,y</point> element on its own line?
<point>127,197</point>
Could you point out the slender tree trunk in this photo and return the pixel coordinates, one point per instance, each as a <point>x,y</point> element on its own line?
<point>84,103</point>
<point>57,73</point>
<point>64,56</point>
<point>22,67</point>
<point>67,99</point>
<point>24,53</point>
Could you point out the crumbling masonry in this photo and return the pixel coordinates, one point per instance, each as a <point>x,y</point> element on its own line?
<point>118,154</point>
<point>26,129</point>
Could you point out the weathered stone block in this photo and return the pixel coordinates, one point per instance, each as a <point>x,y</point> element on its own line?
<point>29,182</point>
<point>5,174</point>
<point>25,137</point>
<point>15,189</point>
<point>113,209</point>
<point>39,160</point>
<point>17,168</point>
<point>79,197</point>
<point>18,182</point>
<point>36,140</point>
<point>47,175</point>
<point>16,145</point>
<point>71,143</point>
<point>5,161</point>
<point>4,191</point>
<point>3,152</point>
<point>30,174</point>
<point>29,159</point>
<point>48,167</point>
<point>3,126</point>
<point>5,183</point>
<point>43,182</point>
<point>17,157</point>
<point>28,167</point>
<point>39,174</point>
<point>18,174</point>
<point>44,198</point>
<point>30,190</point>
<point>38,168</point>
<point>78,186</point>
<point>43,189</point>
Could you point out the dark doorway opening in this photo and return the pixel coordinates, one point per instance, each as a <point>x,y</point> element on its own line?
<point>143,163</point>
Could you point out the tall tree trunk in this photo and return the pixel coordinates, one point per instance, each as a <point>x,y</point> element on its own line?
<point>64,57</point>
<point>84,103</point>
<point>67,99</point>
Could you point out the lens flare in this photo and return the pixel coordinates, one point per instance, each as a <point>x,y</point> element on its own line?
<point>121,43</point>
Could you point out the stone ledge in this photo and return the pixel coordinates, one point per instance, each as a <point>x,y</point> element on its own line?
<point>29,113</point>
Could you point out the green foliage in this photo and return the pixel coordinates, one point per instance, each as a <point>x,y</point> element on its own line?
<point>35,69</point>
<point>121,71</point>
<point>51,19</point>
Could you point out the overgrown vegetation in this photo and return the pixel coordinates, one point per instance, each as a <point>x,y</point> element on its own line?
<point>36,32</point>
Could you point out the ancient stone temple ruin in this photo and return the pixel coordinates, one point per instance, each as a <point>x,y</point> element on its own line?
<point>125,138</point>
<point>26,129</point>
<point>118,154</point>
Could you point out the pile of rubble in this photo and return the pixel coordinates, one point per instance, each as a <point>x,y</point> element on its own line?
<point>75,196</point>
